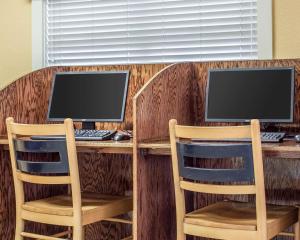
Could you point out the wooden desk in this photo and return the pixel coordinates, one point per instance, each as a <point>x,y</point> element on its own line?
<point>122,147</point>
<point>286,149</point>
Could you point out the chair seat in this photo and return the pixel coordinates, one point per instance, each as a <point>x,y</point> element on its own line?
<point>103,206</point>
<point>242,216</point>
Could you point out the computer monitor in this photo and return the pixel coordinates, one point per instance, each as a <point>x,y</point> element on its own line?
<point>88,97</point>
<point>239,95</point>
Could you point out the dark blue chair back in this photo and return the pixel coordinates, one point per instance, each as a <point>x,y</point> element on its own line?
<point>213,151</point>
<point>39,167</point>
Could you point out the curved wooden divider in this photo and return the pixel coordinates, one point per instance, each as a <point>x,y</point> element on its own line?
<point>169,94</point>
<point>26,100</point>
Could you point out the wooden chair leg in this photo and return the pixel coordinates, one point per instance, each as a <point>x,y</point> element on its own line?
<point>70,232</point>
<point>181,236</point>
<point>297,231</point>
<point>179,231</point>
<point>19,228</point>
<point>78,233</point>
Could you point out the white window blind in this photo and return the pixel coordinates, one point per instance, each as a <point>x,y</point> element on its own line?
<point>93,32</point>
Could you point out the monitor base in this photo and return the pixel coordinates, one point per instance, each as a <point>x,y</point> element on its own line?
<point>88,125</point>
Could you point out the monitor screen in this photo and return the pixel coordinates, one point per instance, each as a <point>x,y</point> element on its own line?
<point>88,96</point>
<point>238,95</point>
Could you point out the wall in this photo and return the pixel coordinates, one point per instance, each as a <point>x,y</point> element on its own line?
<point>286,14</point>
<point>15,40</point>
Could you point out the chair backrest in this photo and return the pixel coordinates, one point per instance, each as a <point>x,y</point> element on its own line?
<point>64,171</point>
<point>214,181</point>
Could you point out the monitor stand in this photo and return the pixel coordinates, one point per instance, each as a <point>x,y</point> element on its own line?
<point>89,125</point>
<point>269,127</point>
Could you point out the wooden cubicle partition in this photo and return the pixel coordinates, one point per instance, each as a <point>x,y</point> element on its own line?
<point>176,91</point>
<point>167,96</point>
<point>27,101</point>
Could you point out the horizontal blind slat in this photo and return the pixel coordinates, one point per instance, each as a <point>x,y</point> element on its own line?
<point>154,31</point>
<point>61,5</point>
<point>160,52</point>
<point>93,13</point>
<point>159,45</point>
<point>103,18</point>
<point>154,43</point>
<point>149,36</point>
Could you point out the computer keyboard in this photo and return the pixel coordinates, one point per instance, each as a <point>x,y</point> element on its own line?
<point>272,136</point>
<point>84,135</point>
<point>266,137</point>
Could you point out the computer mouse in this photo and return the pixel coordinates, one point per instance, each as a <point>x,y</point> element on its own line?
<point>297,138</point>
<point>119,136</point>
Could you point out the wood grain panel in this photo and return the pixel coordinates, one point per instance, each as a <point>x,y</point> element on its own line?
<point>156,201</point>
<point>26,100</point>
<point>108,174</point>
<point>167,95</point>
<point>170,94</point>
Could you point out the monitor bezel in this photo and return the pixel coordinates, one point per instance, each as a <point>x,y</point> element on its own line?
<point>263,120</point>
<point>51,119</point>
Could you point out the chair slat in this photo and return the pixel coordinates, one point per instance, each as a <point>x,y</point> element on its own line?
<point>212,133</point>
<point>43,179</point>
<point>37,129</point>
<point>218,189</point>
<point>39,236</point>
<point>50,146</point>
<point>245,174</point>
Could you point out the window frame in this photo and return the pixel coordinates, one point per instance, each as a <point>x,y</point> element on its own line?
<point>37,34</point>
<point>264,31</point>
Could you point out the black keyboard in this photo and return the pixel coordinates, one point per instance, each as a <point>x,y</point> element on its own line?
<point>84,135</point>
<point>272,136</point>
<point>266,137</point>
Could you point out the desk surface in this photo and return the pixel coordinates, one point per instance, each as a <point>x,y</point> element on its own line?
<point>285,149</point>
<point>122,147</point>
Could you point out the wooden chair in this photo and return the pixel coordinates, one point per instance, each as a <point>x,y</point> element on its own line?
<point>75,210</point>
<point>225,220</point>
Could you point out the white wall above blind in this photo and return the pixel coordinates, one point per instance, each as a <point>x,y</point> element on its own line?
<point>94,32</point>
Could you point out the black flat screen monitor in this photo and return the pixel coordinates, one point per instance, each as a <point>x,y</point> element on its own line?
<point>239,95</point>
<point>88,96</point>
